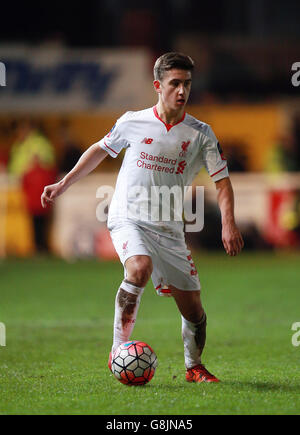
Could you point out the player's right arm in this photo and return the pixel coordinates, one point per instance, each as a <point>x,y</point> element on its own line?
<point>89,160</point>
<point>111,145</point>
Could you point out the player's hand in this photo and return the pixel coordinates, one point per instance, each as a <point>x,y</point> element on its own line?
<point>232,239</point>
<point>51,192</point>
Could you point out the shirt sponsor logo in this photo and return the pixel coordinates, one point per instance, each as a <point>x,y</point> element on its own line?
<point>142,163</point>
<point>145,158</point>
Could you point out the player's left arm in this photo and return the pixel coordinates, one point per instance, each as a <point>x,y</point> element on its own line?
<point>231,236</point>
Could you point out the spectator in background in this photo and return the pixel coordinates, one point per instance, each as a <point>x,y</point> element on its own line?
<point>71,150</point>
<point>30,142</point>
<point>33,182</point>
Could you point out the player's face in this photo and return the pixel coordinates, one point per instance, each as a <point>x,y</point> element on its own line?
<point>174,89</point>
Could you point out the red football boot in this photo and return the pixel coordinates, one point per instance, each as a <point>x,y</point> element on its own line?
<point>109,361</point>
<point>200,374</point>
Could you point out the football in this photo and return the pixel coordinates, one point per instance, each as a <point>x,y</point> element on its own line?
<point>134,363</point>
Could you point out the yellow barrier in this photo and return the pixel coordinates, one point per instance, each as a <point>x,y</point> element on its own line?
<point>254,127</point>
<point>16,236</point>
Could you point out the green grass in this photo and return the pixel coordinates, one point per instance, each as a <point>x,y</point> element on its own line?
<point>59,326</point>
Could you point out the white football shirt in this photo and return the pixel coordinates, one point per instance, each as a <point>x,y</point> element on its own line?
<point>159,156</point>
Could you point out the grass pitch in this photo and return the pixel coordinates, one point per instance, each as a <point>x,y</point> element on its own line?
<point>59,318</point>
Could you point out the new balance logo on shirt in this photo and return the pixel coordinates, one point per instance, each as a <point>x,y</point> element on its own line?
<point>147,140</point>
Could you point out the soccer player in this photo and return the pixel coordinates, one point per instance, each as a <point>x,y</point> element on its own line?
<point>164,147</point>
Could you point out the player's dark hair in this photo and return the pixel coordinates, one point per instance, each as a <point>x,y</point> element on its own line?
<point>172,60</point>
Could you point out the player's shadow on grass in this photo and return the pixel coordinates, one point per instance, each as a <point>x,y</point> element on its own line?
<point>264,386</point>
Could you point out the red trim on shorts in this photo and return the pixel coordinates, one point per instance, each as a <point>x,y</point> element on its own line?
<point>165,290</point>
<point>168,126</point>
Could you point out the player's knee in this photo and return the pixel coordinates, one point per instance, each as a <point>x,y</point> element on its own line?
<point>196,316</point>
<point>141,276</point>
<point>140,271</point>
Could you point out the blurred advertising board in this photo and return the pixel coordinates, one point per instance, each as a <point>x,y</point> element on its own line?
<point>268,204</point>
<point>76,231</point>
<point>58,79</point>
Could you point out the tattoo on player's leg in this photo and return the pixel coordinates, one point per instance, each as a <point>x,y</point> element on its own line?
<point>127,303</point>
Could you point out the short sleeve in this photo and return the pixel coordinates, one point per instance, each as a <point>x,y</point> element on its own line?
<point>212,156</point>
<point>115,140</point>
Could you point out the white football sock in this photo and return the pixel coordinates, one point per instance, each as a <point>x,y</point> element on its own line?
<point>126,307</point>
<point>193,335</point>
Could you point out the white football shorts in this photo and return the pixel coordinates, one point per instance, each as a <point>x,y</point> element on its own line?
<point>172,261</point>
